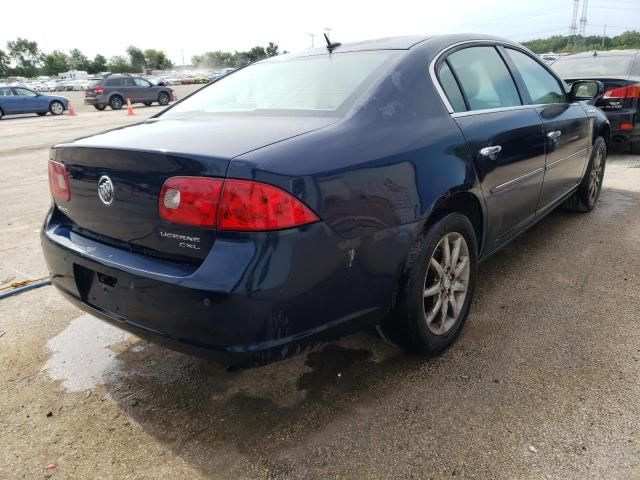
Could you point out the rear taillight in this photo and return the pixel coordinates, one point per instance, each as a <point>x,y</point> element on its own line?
<point>98,90</point>
<point>239,205</point>
<point>59,181</point>
<point>629,91</point>
<point>191,200</point>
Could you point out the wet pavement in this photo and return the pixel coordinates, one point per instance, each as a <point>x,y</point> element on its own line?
<point>542,383</point>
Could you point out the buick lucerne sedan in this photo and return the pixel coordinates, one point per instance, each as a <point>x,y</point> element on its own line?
<point>312,195</point>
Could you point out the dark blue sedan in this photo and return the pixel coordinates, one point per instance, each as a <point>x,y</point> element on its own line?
<point>314,194</point>
<point>18,100</point>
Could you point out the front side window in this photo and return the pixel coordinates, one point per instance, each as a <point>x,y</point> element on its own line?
<point>140,82</point>
<point>451,88</point>
<point>542,86</point>
<point>23,92</point>
<point>484,78</point>
<point>315,85</point>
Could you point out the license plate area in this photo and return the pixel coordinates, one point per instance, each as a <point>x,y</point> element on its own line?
<point>98,289</point>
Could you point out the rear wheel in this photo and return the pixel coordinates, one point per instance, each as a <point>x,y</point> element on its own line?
<point>589,190</point>
<point>100,107</point>
<point>147,104</point>
<point>440,280</point>
<point>163,98</point>
<point>116,102</point>
<point>56,108</point>
<point>1,114</point>
<point>635,148</point>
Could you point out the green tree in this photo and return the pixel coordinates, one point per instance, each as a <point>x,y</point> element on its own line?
<point>26,56</point>
<point>565,43</point>
<point>98,64</point>
<point>157,59</point>
<point>136,59</point>
<point>55,63</point>
<point>5,63</point>
<point>272,50</point>
<point>119,64</point>
<point>78,60</point>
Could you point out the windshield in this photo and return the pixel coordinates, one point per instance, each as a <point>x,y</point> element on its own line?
<point>316,84</point>
<point>598,66</point>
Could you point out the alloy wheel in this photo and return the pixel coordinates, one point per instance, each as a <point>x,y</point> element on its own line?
<point>595,177</point>
<point>57,108</point>
<point>446,283</point>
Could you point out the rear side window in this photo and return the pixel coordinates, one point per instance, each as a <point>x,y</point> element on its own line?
<point>542,86</point>
<point>126,82</point>
<point>113,82</point>
<point>484,78</point>
<point>451,88</point>
<point>6,92</point>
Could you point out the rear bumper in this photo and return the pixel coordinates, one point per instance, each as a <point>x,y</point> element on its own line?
<point>616,120</point>
<point>255,299</point>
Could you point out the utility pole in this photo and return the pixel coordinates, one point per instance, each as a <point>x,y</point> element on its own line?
<point>583,23</point>
<point>313,36</point>
<point>573,28</point>
<point>604,34</point>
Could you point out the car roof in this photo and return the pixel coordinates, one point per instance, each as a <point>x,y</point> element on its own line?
<point>436,42</point>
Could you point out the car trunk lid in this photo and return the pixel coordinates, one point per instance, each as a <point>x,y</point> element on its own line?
<point>137,160</point>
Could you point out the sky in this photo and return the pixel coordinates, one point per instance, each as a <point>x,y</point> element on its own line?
<point>191,27</point>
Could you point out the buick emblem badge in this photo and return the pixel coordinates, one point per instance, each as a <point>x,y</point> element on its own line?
<point>105,190</point>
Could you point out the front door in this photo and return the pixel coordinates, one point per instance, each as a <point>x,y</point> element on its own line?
<point>566,128</point>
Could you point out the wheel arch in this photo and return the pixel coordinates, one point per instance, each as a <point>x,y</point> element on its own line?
<point>466,203</point>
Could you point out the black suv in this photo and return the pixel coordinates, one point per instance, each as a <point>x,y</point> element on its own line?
<point>619,72</point>
<point>113,90</point>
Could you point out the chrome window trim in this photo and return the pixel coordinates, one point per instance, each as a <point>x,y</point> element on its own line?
<point>514,181</point>
<point>443,96</point>
<point>553,164</point>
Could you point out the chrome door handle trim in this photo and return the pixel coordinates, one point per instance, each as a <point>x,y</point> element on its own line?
<point>489,151</point>
<point>554,134</point>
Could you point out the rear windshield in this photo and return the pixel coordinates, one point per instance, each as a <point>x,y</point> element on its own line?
<point>598,66</point>
<point>321,84</point>
<point>93,83</point>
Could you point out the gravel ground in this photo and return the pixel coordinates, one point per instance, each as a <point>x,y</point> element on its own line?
<point>543,382</point>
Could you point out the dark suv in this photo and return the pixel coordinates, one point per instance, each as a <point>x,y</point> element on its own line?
<point>619,72</point>
<point>113,90</point>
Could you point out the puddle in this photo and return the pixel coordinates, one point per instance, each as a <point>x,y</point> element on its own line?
<point>81,353</point>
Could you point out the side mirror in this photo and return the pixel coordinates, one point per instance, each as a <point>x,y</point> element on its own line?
<point>586,89</point>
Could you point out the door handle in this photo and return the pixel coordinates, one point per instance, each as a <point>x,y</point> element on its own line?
<point>490,151</point>
<point>554,134</point>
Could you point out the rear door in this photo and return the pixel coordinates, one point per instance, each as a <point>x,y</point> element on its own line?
<point>504,136</point>
<point>128,88</point>
<point>566,127</point>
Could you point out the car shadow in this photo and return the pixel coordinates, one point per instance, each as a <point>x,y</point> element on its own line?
<point>225,423</point>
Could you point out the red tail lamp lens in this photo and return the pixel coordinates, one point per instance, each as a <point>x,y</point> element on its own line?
<point>240,205</point>
<point>59,181</point>
<point>191,200</point>
<point>253,206</point>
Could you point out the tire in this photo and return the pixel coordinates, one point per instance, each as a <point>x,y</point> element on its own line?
<point>635,148</point>
<point>164,98</point>
<point>420,321</point>
<point>1,114</point>
<point>100,107</point>
<point>586,197</point>
<point>116,102</point>
<point>56,108</point>
<point>147,104</point>
<point>42,114</point>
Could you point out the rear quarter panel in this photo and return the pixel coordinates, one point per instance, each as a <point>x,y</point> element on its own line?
<point>387,163</point>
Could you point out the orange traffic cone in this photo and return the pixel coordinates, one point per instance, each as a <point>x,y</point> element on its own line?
<point>175,97</point>
<point>129,108</point>
<point>71,110</point>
